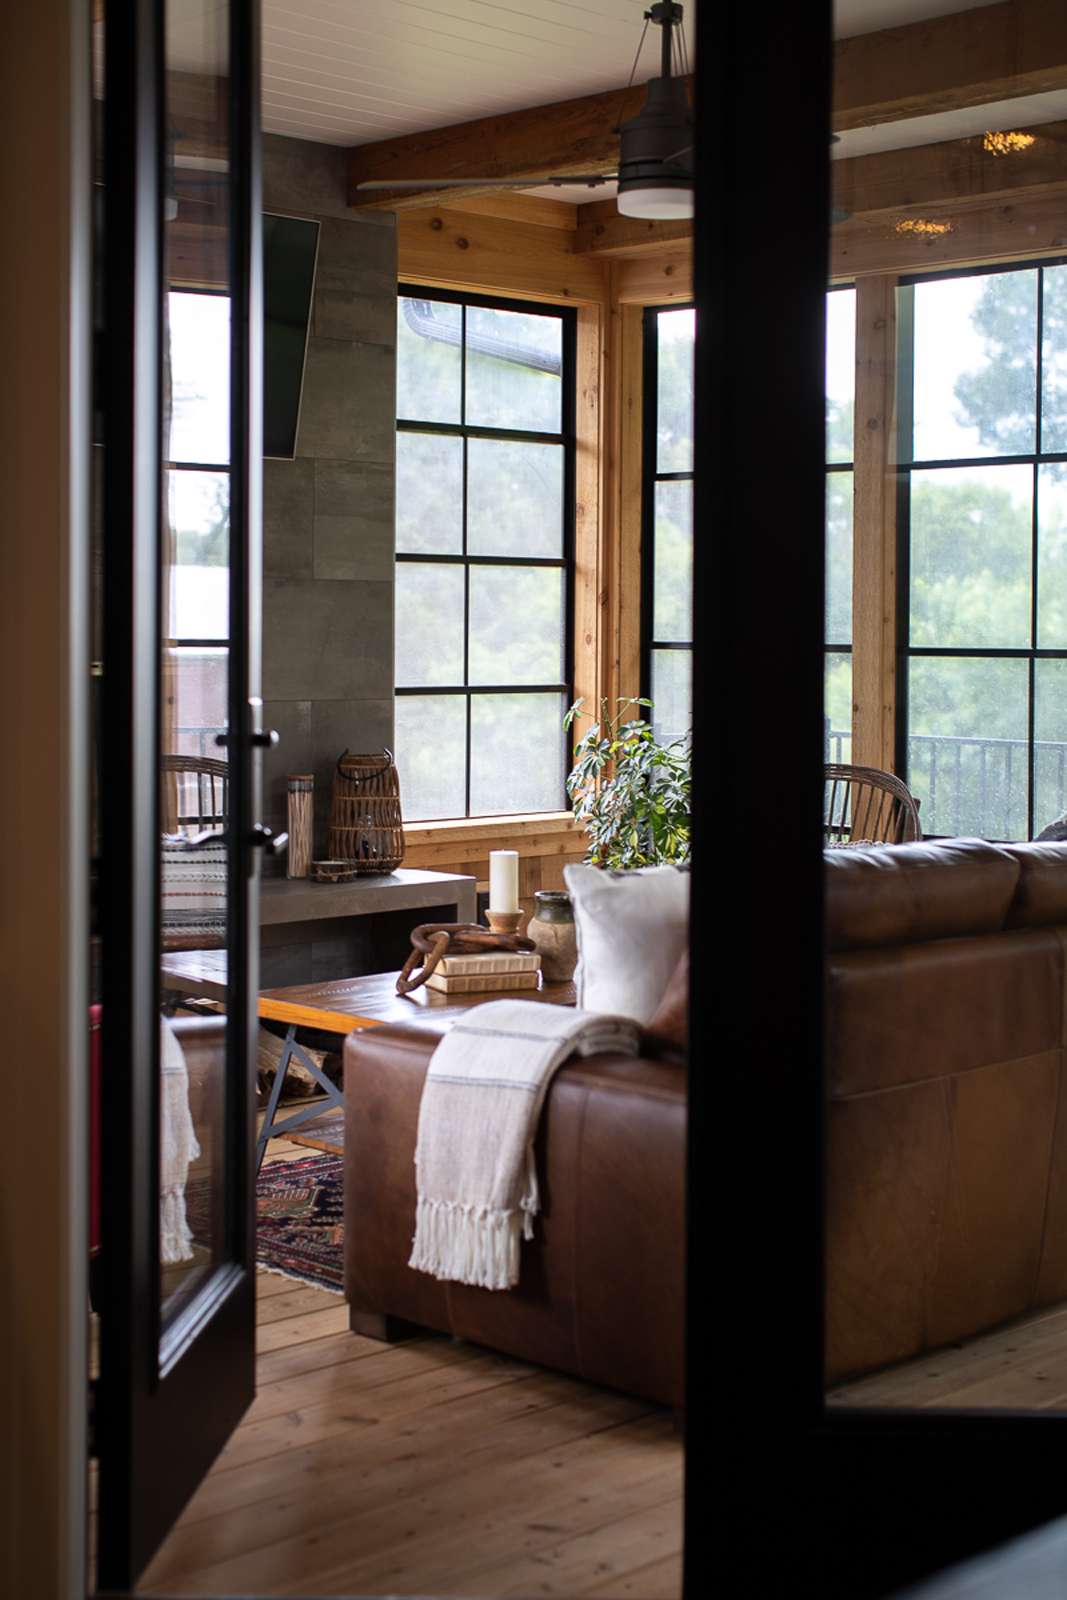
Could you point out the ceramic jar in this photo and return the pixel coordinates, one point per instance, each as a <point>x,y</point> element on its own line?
<point>552,930</point>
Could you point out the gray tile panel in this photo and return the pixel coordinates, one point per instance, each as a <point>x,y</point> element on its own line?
<point>354,526</point>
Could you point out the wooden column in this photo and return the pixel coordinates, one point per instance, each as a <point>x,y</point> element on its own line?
<point>874,559</point>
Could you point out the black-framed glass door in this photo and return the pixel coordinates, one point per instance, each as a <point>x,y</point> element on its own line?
<point>179,437</point>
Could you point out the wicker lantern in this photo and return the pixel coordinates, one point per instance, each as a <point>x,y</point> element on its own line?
<point>366,828</point>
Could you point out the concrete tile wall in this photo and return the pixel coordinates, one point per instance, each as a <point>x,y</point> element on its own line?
<point>328,515</point>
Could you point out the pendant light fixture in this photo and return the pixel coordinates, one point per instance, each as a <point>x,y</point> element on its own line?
<point>656,146</point>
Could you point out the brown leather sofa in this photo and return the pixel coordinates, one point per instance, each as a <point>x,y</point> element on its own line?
<point>947,1115</point>
<point>601,1287</point>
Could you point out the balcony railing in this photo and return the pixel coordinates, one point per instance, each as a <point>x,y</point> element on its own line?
<point>975,786</point>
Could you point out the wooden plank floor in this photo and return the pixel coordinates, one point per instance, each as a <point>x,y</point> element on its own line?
<point>1022,1366</point>
<point>428,1467</point>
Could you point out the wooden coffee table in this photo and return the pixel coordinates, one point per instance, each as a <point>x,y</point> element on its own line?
<point>339,1006</point>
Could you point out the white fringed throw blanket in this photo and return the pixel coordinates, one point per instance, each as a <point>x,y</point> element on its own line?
<point>474,1158</point>
<point>179,1147</point>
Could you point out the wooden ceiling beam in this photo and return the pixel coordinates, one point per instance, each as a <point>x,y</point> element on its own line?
<point>571,136</point>
<point>971,58</point>
<point>997,52</point>
<point>959,169</point>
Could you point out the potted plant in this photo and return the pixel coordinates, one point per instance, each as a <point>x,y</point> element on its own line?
<point>631,793</point>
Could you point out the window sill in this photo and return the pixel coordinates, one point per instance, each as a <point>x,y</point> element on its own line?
<point>483,830</point>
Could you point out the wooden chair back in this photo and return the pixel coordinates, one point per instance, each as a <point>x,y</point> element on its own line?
<point>202,785</point>
<point>863,803</point>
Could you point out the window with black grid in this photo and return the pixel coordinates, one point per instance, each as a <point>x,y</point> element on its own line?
<point>485,534</point>
<point>840,406</point>
<point>667,518</point>
<point>982,555</point>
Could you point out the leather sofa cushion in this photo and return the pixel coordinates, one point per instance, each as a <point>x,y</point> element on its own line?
<point>909,893</point>
<point>900,1016</point>
<point>1041,895</point>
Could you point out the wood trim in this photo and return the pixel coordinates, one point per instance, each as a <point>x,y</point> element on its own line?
<point>655,280</point>
<point>508,206</point>
<point>591,620</point>
<point>457,249</point>
<point>467,831</point>
<point>602,230</point>
<point>971,58</point>
<point>567,137</point>
<point>874,527</point>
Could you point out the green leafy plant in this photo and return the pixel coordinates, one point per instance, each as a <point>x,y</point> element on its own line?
<point>629,792</point>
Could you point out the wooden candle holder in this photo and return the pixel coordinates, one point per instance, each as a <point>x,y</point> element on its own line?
<point>504,921</point>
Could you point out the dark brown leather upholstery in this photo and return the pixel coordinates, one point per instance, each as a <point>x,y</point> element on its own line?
<point>601,1286</point>
<point>947,1132</point>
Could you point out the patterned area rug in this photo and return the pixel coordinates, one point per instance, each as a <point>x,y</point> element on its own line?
<point>300,1226</point>
<point>300,1230</point>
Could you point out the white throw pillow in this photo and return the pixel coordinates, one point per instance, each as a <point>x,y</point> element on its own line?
<point>632,928</point>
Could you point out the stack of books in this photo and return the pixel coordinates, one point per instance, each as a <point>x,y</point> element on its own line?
<point>487,973</point>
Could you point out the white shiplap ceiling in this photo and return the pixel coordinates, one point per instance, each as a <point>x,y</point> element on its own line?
<point>350,72</point>
<point>353,71</point>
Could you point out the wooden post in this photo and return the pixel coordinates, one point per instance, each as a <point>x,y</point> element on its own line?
<point>874,559</point>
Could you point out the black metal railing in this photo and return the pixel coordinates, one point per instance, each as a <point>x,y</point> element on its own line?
<point>978,786</point>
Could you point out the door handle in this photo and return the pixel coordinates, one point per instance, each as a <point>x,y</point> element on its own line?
<point>258,741</point>
<point>265,839</point>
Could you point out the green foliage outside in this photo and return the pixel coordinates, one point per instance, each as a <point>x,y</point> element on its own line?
<point>971,537</point>
<point>631,794</point>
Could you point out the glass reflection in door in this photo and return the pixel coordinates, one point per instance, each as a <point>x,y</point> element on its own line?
<point>195,642</point>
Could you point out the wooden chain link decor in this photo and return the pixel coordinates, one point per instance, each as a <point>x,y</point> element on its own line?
<point>432,940</point>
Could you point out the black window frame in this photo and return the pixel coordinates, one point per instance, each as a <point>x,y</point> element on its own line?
<point>906,652</point>
<point>225,467</point>
<point>650,477</point>
<point>829,647</point>
<point>567,437</point>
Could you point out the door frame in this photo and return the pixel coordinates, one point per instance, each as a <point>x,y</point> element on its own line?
<point>836,1503</point>
<point>45,333</point>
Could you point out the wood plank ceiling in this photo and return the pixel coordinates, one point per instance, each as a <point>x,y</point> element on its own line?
<point>350,72</point>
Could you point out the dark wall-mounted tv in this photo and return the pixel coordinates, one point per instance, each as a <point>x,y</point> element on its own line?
<point>290,245</point>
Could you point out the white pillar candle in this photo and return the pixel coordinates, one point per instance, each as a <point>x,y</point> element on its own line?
<point>503,880</point>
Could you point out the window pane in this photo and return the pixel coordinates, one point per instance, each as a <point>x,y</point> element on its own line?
<point>431,746</point>
<point>1050,750</point>
<point>514,366</point>
<point>429,493</point>
<point>429,624</point>
<point>672,610</point>
<point>428,360</point>
<point>514,498</point>
<point>967,745</point>
<point>837,707</point>
<point>975,366</point>
<point>199,590</point>
<point>839,558</point>
<point>198,332</point>
<point>1052,557</point>
<point>1054,360</point>
<point>672,692</point>
<point>517,750</point>
<point>197,680</point>
<point>840,372</point>
<point>676,331</point>
<point>516,625</point>
<point>971,532</point>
